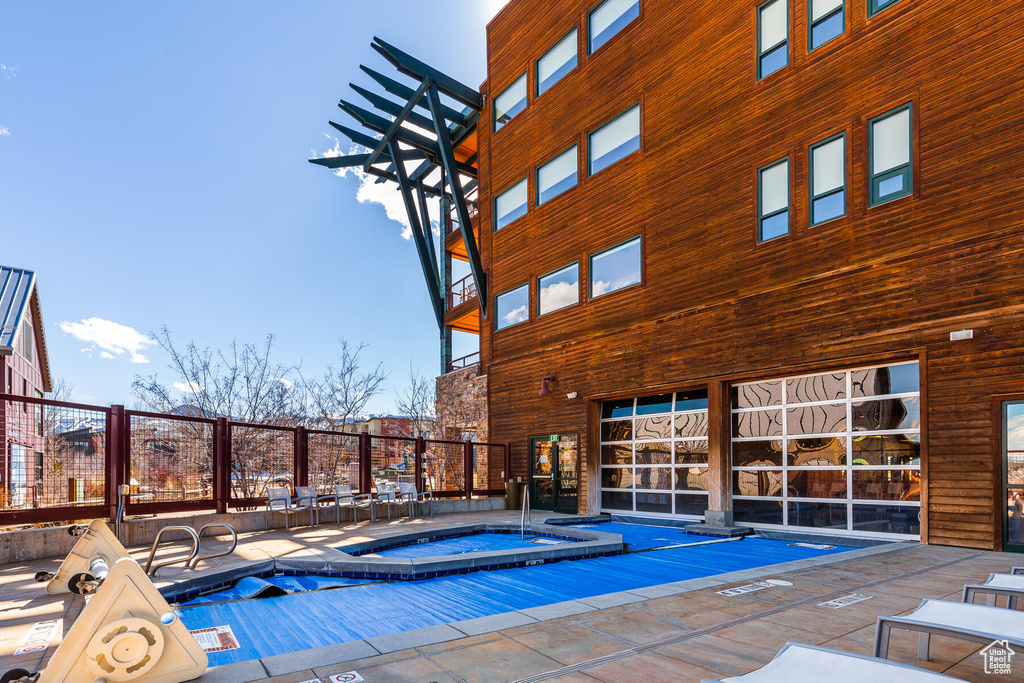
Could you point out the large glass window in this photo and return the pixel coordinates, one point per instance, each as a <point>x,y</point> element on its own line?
<point>615,140</point>
<point>1013,456</point>
<point>891,150</point>
<point>558,175</point>
<point>773,201</point>
<point>827,21</point>
<point>839,450</point>
<point>512,307</point>
<point>654,454</point>
<point>510,205</point>
<point>609,18</point>
<point>772,37</point>
<point>510,102</point>
<point>616,268</point>
<point>557,62</point>
<point>559,289</point>
<point>26,332</point>
<point>828,179</point>
<point>875,6</point>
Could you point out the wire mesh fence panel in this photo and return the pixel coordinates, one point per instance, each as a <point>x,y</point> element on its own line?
<point>488,466</point>
<point>56,455</point>
<point>170,459</point>
<point>392,459</point>
<point>444,464</point>
<point>333,461</point>
<point>260,457</point>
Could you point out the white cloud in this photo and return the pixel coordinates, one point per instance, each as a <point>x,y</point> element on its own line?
<point>516,315</point>
<point>189,387</point>
<point>113,339</point>
<point>560,295</point>
<point>8,71</point>
<point>4,132</point>
<point>288,384</point>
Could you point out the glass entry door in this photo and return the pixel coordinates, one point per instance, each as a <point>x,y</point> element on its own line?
<point>1013,476</point>
<point>554,473</point>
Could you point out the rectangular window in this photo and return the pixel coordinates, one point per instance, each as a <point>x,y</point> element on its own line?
<point>615,269</point>
<point>828,179</point>
<point>559,289</point>
<point>510,102</point>
<point>610,18</point>
<point>39,471</point>
<point>876,6</point>
<point>772,37</point>
<point>615,140</point>
<point>26,332</point>
<point>512,307</point>
<point>558,175</point>
<point>890,147</point>
<point>773,201</point>
<point>510,205</point>
<point>557,62</point>
<point>827,21</point>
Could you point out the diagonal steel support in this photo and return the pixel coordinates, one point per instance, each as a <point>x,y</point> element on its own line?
<point>414,68</point>
<point>400,118</point>
<point>451,168</point>
<point>421,194</point>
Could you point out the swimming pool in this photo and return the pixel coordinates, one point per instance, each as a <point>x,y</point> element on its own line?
<point>352,611</point>
<point>474,543</point>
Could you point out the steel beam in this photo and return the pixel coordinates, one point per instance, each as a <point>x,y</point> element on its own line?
<point>421,194</point>
<point>410,66</point>
<point>405,92</point>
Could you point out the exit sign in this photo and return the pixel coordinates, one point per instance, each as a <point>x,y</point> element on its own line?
<point>553,437</point>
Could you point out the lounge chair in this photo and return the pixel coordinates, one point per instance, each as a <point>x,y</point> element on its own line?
<point>306,495</point>
<point>1010,586</point>
<point>408,492</point>
<point>799,663</point>
<point>974,623</point>
<point>280,500</point>
<point>344,498</point>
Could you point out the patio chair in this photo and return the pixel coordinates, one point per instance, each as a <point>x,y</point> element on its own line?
<point>1010,586</point>
<point>306,495</point>
<point>799,663</point>
<point>344,498</point>
<point>279,500</point>
<point>408,492</point>
<point>974,623</point>
<point>387,494</point>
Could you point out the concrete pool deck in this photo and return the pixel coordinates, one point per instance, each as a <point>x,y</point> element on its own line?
<point>673,632</point>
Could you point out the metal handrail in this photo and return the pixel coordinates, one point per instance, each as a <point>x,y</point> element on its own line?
<point>151,569</point>
<point>527,513</point>
<point>234,542</point>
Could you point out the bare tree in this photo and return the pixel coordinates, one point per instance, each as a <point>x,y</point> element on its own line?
<point>417,402</point>
<point>343,391</point>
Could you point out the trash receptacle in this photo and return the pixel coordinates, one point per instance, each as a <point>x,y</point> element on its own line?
<point>512,495</point>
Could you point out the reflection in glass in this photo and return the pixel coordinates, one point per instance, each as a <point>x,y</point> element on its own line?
<point>895,379</point>
<point>510,102</point>
<point>653,478</point>
<point>891,519</point>
<point>542,458</point>
<point>510,205</point>
<point>887,450</point>
<point>757,453</point>
<point>617,478</point>
<point>615,269</point>
<point>654,427</point>
<point>559,290</point>
<point>690,504</point>
<point>816,389</point>
<point>616,455</point>
<point>757,511</point>
<point>557,62</point>
<point>691,452</point>
<point>651,405</point>
<point>615,140</point>
<point>617,500</point>
<point>818,483</point>
<point>692,400</point>
<point>558,175</point>
<point>772,37</point>
<point>756,423</point>
<point>691,479</point>
<point>888,413</point>
<point>821,515</point>
<point>757,483</point>
<point>821,419</point>
<point>817,452</point>
<point>654,453</point>
<point>691,424</point>
<point>760,395</point>
<point>895,485</point>
<point>513,307</point>
<point>654,502</point>
<point>617,430</point>
<point>610,18</point>
<point>617,408</point>
<point>1015,516</point>
<point>1015,444</point>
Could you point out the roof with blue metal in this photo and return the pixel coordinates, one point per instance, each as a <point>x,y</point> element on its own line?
<point>17,293</point>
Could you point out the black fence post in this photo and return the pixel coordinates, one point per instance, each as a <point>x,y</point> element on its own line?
<point>467,468</point>
<point>221,464</point>
<point>364,463</point>
<point>301,457</point>
<point>116,457</point>
<point>421,448</point>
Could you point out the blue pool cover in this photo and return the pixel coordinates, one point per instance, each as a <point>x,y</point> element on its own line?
<point>312,619</point>
<point>644,536</point>
<point>467,544</point>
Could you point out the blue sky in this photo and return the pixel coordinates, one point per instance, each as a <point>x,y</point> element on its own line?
<point>153,172</point>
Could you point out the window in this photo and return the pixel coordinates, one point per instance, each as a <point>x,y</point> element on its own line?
<point>510,102</point>
<point>827,21</point>
<point>891,171</point>
<point>559,289</point>
<point>615,140</point>
<point>26,332</point>
<point>510,205</point>
<point>876,6</point>
<point>828,179</point>
<point>610,18</point>
<point>773,201</point>
<point>615,269</point>
<point>772,37</point>
<point>557,62</point>
<point>512,307</point>
<point>39,415</point>
<point>558,175</point>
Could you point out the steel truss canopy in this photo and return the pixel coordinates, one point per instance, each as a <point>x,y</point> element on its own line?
<point>415,125</point>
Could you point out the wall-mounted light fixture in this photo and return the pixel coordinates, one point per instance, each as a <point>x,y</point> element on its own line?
<point>571,395</point>
<point>544,391</point>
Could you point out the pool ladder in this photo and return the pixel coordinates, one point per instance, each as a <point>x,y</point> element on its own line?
<point>527,517</point>
<point>193,558</point>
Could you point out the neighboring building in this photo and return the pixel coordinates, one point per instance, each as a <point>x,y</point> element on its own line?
<point>25,372</point>
<point>390,425</point>
<point>763,258</point>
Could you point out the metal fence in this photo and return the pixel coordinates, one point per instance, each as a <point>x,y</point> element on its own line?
<point>66,461</point>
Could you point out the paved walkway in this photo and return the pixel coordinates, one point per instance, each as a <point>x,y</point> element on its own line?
<point>685,636</point>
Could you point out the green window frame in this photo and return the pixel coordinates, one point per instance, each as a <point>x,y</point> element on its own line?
<point>891,173</point>
<point>771,215</point>
<point>825,200</point>
<point>772,55</point>
<point>607,252</point>
<point>502,117</point>
<point>563,184</point>
<point>630,12</point>
<point>824,18</point>
<point>626,146</point>
<point>876,6</point>
<point>542,85</point>
<point>513,320</point>
<point>575,268</point>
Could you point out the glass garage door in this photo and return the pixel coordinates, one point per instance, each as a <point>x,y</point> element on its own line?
<point>654,454</point>
<point>838,451</point>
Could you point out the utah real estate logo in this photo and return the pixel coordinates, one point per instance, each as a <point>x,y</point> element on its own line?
<point>997,657</point>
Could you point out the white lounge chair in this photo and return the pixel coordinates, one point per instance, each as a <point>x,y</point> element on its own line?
<point>344,498</point>
<point>974,623</point>
<point>387,494</point>
<point>306,495</point>
<point>408,492</point>
<point>799,663</point>
<point>279,500</point>
<point>1010,586</point>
